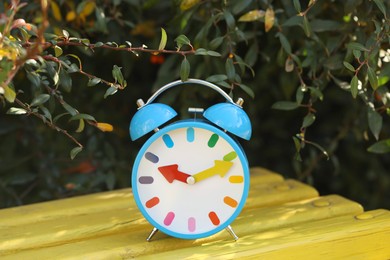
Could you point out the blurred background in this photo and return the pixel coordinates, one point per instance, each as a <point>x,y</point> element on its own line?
<point>289,51</point>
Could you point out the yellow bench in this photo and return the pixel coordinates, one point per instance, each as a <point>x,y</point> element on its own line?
<point>282,219</point>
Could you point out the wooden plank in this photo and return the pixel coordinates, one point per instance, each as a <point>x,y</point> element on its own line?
<point>275,193</point>
<point>345,237</point>
<point>104,238</point>
<point>263,175</point>
<point>104,201</point>
<point>67,207</point>
<point>105,213</point>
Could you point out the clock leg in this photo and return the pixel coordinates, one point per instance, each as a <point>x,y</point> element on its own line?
<point>231,232</point>
<point>154,231</point>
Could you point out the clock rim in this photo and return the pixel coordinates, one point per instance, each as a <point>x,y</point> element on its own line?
<point>197,124</point>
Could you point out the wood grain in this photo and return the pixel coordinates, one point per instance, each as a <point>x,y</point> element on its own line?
<point>282,219</point>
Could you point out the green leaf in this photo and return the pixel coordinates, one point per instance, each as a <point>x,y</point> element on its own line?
<point>184,69</point>
<point>78,59</point>
<point>98,44</point>
<point>65,81</point>
<point>375,121</point>
<point>9,94</point>
<point>182,40</point>
<point>354,86</point>
<point>306,26</point>
<point>205,52</point>
<point>229,18</point>
<point>201,51</point>
<point>349,66</point>
<point>16,111</point>
<point>213,53</point>
<point>215,43</point>
<point>299,95</point>
<point>34,78</point>
<point>298,148</point>
<point>372,78</point>
<point>75,151</point>
<point>308,120</point>
<point>297,5</point>
<point>93,81</point>
<point>381,6</point>
<point>40,99</point>
<point>163,41</point>
<point>356,46</point>
<point>230,70</point>
<point>26,36</point>
<point>81,126</point>
<point>57,51</point>
<point>247,90</point>
<point>316,92</point>
<point>380,147</point>
<point>357,53</point>
<point>284,42</point>
<point>82,116</point>
<point>217,78</point>
<point>239,6</point>
<point>110,91</point>
<point>72,111</point>
<point>285,105</point>
<point>46,113</point>
<point>117,74</point>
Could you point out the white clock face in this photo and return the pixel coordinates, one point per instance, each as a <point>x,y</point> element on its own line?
<point>190,180</point>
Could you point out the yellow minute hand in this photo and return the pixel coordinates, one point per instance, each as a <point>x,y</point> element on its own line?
<point>220,167</point>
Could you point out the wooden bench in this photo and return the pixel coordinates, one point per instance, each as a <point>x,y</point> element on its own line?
<point>282,219</point>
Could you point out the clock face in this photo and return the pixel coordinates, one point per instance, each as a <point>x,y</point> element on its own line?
<point>190,179</point>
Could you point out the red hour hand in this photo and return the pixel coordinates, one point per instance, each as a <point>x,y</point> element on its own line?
<point>171,173</point>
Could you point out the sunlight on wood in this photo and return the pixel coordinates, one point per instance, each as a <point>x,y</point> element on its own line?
<point>282,219</point>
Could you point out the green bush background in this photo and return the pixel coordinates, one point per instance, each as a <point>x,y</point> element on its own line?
<point>34,159</point>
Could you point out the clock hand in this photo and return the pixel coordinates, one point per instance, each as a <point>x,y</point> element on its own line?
<point>220,167</point>
<point>171,173</point>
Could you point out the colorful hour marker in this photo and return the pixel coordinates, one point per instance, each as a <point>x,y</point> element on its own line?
<point>214,218</point>
<point>168,140</point>
<point>230,201</point>
<point>236,179</point>
<point>191,224</point>
<point>169,218</point>
<point>151,157</point>
<point>152,202</point>
<point>230,156</point>
<point>146,180</point>
<point>213,140</point>
<point>190,134</point>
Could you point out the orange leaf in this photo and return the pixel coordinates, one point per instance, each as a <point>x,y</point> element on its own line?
<point>84,167</point>
<point>56,10</point>
<point>70,16</point>
<point>187,4</point>
<point>105,127</point>
<point>89,7</point>
<point>269,19</point>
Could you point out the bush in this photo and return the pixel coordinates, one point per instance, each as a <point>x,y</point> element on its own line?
<point>314,75</point>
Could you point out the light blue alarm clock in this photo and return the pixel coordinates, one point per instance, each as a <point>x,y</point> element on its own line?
<point>191,178</point>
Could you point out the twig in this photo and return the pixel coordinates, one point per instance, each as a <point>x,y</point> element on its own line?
<point>50,124</point>
<point>92,46</point>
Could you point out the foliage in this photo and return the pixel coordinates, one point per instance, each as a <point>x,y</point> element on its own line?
<point>77,66</point>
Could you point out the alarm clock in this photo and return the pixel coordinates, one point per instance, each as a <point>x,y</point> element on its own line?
<point>190,179</point>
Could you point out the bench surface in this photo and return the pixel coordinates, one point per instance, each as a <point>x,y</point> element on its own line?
<point>282,219</point>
